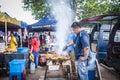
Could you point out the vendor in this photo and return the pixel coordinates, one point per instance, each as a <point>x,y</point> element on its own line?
<point>13,42</point>
<point>81,43</point>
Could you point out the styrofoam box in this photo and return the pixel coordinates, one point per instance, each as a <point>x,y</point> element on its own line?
<point>53,67</point>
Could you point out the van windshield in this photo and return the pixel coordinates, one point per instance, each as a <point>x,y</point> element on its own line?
<point>117,36</point>
<point>106,35</point>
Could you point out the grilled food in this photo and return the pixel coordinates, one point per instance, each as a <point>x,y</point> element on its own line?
<point>56,57</point>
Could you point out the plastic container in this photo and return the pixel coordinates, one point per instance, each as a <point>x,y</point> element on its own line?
<point>91,74</point>
<point>92,67</point>
<point>17,65</point>
<point>23,50</point>
<point>32,67</point>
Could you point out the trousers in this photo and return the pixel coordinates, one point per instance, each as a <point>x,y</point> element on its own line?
<point>82,69</point>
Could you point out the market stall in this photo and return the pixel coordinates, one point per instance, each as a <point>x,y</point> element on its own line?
<point>7,54</point>
<point>7,22</point>
<point>58,66</point>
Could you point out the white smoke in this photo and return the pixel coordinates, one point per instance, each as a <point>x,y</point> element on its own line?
<point>61,10</point>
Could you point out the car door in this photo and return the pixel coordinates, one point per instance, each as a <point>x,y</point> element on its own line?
<point>94,37</point>
<point>102,42</point>
<point>113,49</point>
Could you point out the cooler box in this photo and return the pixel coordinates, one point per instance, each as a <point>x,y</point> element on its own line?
<point>17,65</point>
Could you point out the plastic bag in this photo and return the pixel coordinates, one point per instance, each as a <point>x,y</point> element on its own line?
<point>31,57</point>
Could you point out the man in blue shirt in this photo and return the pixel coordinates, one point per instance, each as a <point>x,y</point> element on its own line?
<point>81,43</point>
<point>70,51</point>
<point>70,38</point>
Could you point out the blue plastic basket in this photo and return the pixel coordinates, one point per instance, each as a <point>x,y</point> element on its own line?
<point>23,50</point>
<point>17,65</point>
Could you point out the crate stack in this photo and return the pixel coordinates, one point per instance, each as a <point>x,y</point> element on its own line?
<point>17,68</point>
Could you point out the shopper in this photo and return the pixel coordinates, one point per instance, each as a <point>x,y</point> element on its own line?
<point>35,48</point>
<point>17,39</point>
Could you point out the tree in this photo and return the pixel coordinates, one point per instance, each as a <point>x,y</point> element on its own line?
<point>115,7</point>
<point>83,8</point>
<point>89,8</point>
<point>38,7</point>
<point>0,7</point>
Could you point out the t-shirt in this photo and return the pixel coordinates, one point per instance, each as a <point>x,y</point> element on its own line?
<point>81,41</point>
<point>35,44</point>
<point>13,43</point>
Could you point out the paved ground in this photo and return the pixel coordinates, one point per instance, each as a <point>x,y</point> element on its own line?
<point>38,75</point>
<point>107,74</point>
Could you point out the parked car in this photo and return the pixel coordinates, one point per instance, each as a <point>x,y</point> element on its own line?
<point>113,49</point>
<point>102,41</point>
<point>100,36</point>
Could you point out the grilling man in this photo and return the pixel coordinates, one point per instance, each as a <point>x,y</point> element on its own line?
<point>81,43</point>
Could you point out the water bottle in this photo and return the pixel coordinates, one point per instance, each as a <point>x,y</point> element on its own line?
<point>32,67</point>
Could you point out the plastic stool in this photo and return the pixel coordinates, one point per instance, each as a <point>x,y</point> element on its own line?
<point>19,75</point>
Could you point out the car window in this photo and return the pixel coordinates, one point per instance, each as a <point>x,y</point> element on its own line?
<point>106,35</point>
<point>95,37</point>
<point>117,36</point>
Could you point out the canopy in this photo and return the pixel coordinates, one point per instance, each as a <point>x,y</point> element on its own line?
<point>46,23</point>
<point>8,22</point>
<point>11,22</point>
<point>23,24</point>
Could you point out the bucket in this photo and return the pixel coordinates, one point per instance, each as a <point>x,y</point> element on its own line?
<point>42,61</point>
<point>23,50</point>
<point>32,67</point>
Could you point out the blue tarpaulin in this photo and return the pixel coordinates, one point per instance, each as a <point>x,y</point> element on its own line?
<point>23,24</point>
<point>47,22</point>
<point>2,32</point>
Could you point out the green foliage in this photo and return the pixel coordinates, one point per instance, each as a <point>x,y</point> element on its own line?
<point>83,8</point>
<point>0,7</point>
<point>90,8</point>
<point>38,7</point>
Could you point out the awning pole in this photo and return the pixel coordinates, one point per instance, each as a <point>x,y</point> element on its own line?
<point>20,31</point>
<point>6,33</point>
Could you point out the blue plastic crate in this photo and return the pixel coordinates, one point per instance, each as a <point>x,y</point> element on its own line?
<point>22,50</point>
<point>17,65</point>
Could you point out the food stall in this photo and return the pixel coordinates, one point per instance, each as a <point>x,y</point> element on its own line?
<point>7,54</point>
<point>58,66</point>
